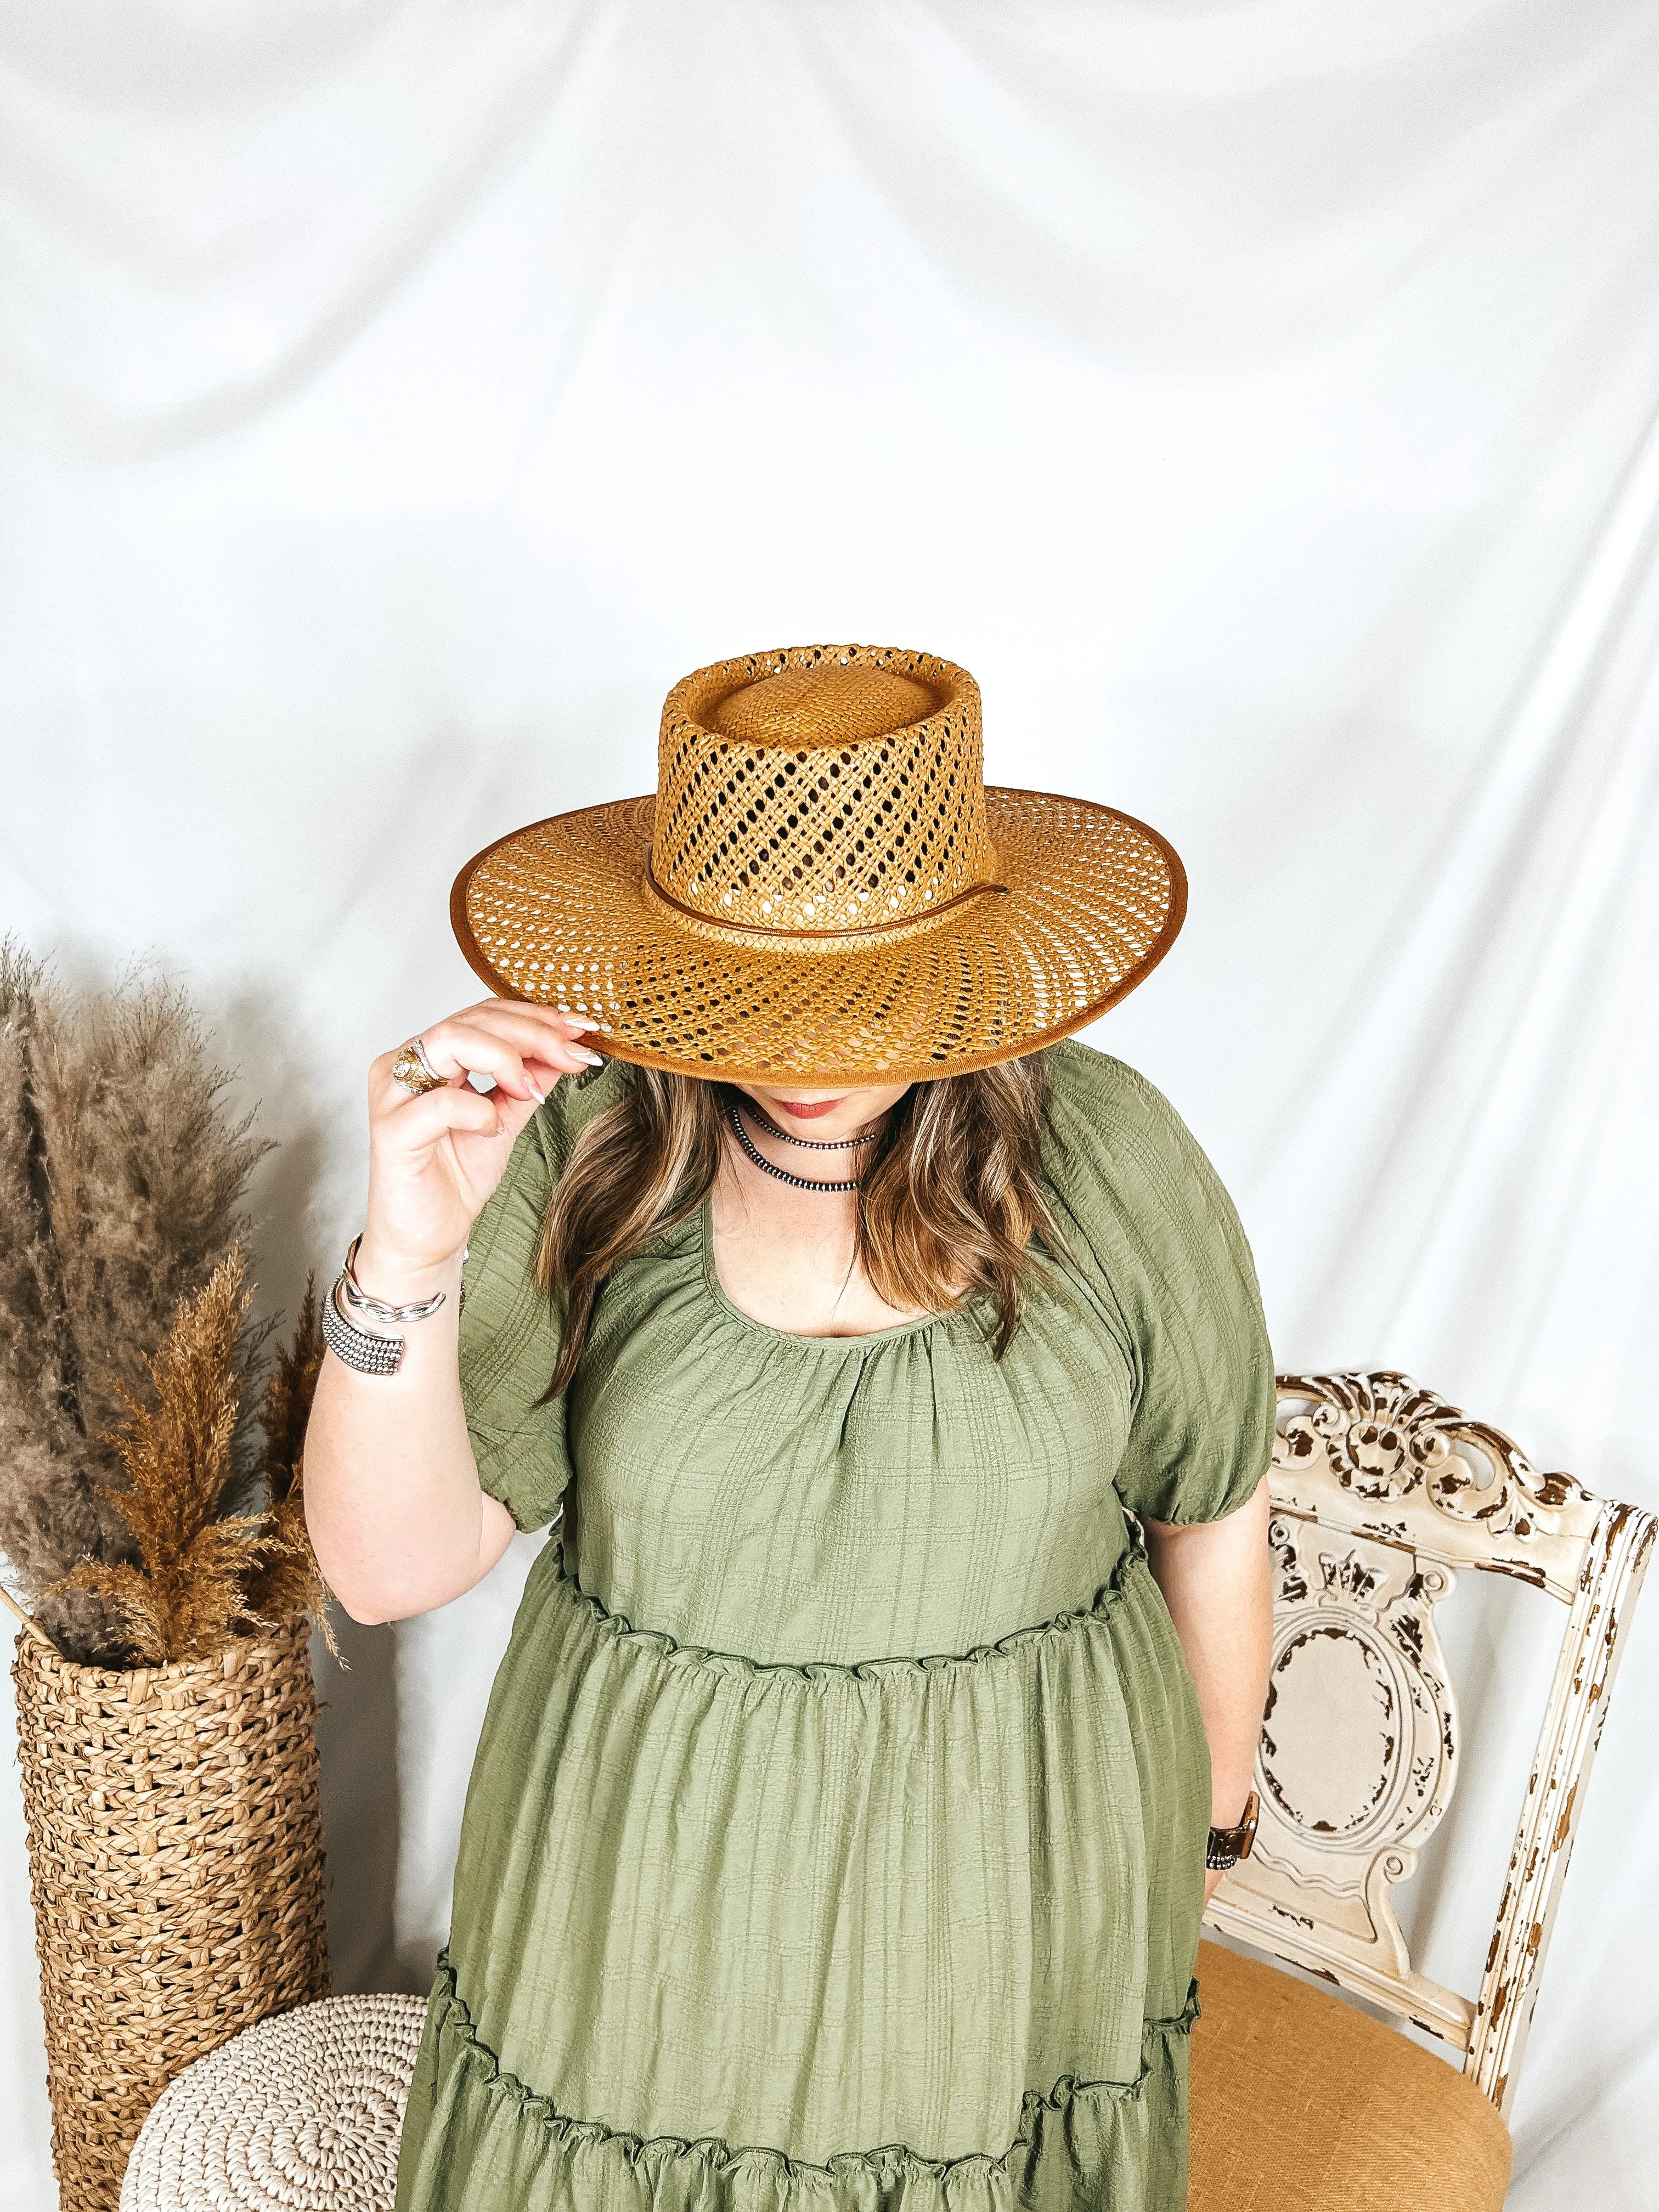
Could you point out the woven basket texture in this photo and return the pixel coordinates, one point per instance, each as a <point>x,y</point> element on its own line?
<point>176,1859</point>
<point>304,2111</point>
<point>824,886</point>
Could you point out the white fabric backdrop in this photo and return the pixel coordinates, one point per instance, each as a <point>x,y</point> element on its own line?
<point>1261,400</point>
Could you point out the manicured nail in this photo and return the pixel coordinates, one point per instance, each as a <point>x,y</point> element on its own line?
<point>594,1059</point>
<point>536,1090</point>
<point>578,1022</point>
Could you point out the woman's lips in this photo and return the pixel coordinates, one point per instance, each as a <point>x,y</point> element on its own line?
<point>802,1110</point>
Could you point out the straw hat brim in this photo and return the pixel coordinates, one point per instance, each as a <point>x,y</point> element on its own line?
<point>560,914</point>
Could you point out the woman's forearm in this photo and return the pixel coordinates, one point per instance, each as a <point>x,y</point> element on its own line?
<point>1216,1577</point>
<point>392,1497</point>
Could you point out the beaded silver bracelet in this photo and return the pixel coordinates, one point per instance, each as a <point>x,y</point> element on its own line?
<point>357,1347</point>
<point>360,1348</point>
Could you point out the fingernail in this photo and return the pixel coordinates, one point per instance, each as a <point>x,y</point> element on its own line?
<point>594,1059</point>
<point>536,1090</point>
<point>580,1022</point>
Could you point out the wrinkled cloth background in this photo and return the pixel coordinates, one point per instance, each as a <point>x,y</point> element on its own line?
<point>1259,398</point>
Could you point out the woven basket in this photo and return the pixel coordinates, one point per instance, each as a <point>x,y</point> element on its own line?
<point>176,1858</point>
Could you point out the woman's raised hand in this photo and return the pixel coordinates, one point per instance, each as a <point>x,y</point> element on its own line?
<point>434,1160</point>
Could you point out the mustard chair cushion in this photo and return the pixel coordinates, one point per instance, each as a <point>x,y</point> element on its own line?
<point>1302,2104</point>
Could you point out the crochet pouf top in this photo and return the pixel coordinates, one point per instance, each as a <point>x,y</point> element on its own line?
<point>303,2111</point>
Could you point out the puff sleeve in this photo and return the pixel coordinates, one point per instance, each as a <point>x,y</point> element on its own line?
<point>509,1330</point>
<point>1157,1248</point>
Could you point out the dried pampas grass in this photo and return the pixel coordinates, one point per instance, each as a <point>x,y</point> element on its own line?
<point>205,1575</point>
<point>184,1597</point>
<point>287,1579</point>
<point>125,1344</point>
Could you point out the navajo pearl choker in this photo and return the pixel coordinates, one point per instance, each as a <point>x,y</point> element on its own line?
<point>805,1143</point>
<point>800,1182</point>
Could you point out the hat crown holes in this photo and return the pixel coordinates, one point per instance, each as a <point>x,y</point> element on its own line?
<point>820,789</point>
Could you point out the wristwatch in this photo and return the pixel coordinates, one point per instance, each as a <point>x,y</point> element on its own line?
<point>1227,1846</point>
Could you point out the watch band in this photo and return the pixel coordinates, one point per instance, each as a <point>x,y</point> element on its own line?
<point>1227,1846</point>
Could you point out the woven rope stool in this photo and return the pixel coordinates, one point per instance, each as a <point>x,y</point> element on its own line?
<point>301,2113</point>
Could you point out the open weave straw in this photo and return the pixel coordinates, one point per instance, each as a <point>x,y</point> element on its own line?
<point>302,2112</point>
<point>822,887</point>
<point>176,1859</point>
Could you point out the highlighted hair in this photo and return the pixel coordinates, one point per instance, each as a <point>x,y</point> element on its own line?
<point>950,1195</point>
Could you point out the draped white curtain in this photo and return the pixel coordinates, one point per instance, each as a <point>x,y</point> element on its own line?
<point>1261,399</point>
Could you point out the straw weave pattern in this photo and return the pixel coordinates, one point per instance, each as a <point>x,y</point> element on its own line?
<point>176,1861</point>
<point>855,814</point>
<point>302,2113</point>
<point>823,886</point>
<point>554,914</point>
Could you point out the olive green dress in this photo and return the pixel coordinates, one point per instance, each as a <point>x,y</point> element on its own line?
<point>834,1841</point>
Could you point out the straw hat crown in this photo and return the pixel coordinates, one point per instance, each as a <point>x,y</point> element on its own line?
<point>836,794</point>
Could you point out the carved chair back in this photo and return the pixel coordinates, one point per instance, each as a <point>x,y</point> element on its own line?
<point>1382,1493</point>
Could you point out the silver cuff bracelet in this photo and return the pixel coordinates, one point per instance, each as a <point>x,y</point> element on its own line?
<point>368,1354</point>
<point>377,1310</point>
<point>359,1347</point>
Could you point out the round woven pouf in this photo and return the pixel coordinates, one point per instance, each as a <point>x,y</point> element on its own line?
<point>301,2113</point>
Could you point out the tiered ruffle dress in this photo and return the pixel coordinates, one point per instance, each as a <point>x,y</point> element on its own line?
<point>834,1841</point>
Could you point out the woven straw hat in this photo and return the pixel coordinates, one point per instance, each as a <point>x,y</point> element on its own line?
<point>821,889</point>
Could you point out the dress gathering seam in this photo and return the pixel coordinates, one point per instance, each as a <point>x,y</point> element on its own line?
<point>455,2019</point>
<point>700,1657</point>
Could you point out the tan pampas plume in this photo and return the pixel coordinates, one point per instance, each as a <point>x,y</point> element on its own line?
<point>184,1597</point>
<point>126,1418</point>
<point>288,1579</point>
<point>122,1175</point>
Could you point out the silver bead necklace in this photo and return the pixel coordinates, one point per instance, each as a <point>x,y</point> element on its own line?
<point>800,1182</point>
<point>805,1143</point>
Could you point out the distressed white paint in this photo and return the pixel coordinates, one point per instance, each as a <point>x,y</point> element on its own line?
<point>1381,1493</point>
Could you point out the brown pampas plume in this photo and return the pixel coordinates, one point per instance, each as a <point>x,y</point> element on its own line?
<point>184,1597</point>
<point>122,1175</point>
<point>288,1579</point>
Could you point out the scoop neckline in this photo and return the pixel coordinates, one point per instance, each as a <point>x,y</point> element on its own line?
<point>716,1291</point>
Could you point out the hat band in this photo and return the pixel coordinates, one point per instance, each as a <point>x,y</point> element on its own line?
<point>812,939</point>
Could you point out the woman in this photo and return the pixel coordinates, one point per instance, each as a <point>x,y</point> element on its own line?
<point>838,1837</point>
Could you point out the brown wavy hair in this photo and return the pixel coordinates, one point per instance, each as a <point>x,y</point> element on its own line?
<point>950,1195</point>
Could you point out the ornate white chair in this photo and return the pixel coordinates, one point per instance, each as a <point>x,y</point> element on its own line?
<point>1382,1493</point>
